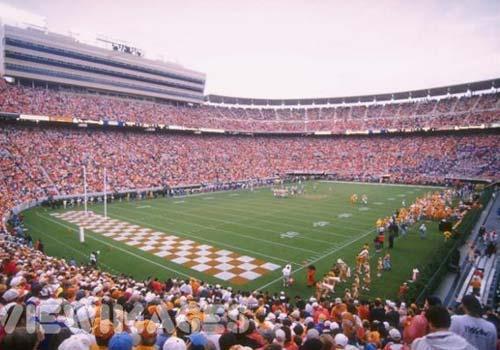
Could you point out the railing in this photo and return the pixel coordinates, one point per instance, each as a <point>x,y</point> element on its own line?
<point>433,272</point>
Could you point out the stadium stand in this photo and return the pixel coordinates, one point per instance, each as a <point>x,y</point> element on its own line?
<point>39,162</point>
<point>478,271</point>
<point>47,102</point>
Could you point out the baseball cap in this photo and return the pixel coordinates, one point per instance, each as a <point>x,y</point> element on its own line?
<point>394,334</point>
<point>198,339</point>
<point>341,339</point>
<point>77,342</point>
<point>312,333</point>
<point>121,341</point>
<point>174,343</point>
<point>280,335</point>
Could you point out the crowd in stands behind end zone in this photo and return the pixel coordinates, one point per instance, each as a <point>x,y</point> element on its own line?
<point>48,303</point>
<point>448,112</point>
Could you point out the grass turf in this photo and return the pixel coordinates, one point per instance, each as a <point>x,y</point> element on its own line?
<point>255,224</point>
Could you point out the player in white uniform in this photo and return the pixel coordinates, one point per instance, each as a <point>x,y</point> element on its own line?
<point>364,199</point>
<point>287,273</point>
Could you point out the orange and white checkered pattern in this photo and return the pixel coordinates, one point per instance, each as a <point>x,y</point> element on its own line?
<point>223,264</point>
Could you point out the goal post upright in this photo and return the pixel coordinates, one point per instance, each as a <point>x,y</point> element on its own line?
<point>85,188</point>
<point>105,195</point>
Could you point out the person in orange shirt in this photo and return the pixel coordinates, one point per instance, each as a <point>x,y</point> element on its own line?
<point>311,276</point>
<point>373,335</point>
<point>337,310</point>
<point>476,284</point>
<point>363,310</point>
<point>289,343</point>
<point>147,331</point>
<point>103,330</point>
<point>403,290</point>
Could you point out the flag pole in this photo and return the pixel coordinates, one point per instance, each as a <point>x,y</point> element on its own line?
<point>85,188</point>
<point>105,195</point>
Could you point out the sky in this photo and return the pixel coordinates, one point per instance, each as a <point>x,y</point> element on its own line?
<point>291,48</point>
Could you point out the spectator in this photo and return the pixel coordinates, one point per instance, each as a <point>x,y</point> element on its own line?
<point>394,341</point>
<point>21,339</point>
<point>439,337</point>
<point>78,342</point>
<point>121,341</point>
<point>419,324</point>
<point>477,331</point>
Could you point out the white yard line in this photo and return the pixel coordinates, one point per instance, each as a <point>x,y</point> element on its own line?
<point>149,214</point>
<point>198,238</point>
<point>297,212</point>
<point>334,220</point>
<point>328,205</point>
<point>246,210</point>
<point>258,217</point>
<point>318,259</point>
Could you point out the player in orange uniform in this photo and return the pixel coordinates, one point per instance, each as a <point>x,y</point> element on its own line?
<point>311,276</point>
<point>354,198</point>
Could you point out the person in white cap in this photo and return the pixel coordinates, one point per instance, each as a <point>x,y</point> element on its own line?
<point>287,273</point>
<point>341,342</point>
<point>174,343</point>
<point>395,341</point>
<point>78,342</point>
<point>280,337</point>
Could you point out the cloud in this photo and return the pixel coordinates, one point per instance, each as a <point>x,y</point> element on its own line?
<point>292,48</point>
<point>13,15</point>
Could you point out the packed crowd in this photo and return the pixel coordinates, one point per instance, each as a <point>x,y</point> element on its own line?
<point>447,112</point>
<point>36,162</point>
<point>48,303</point>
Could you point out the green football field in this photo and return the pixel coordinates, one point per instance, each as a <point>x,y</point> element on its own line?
<point>317,228</point>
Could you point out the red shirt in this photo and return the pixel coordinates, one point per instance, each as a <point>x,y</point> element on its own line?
<point>156,286</point>
<point>10,268</point>
<point>291,346</point>
<point>416,329</point>
<point>363,312</point>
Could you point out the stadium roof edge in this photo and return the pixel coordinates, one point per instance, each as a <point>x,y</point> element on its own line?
<point>402,95</point>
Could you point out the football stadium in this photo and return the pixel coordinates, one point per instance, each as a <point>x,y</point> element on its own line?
<point>144,207</point>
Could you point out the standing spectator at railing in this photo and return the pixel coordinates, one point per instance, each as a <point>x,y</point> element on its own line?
<point>441,336</point>
<point>477,331</point>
